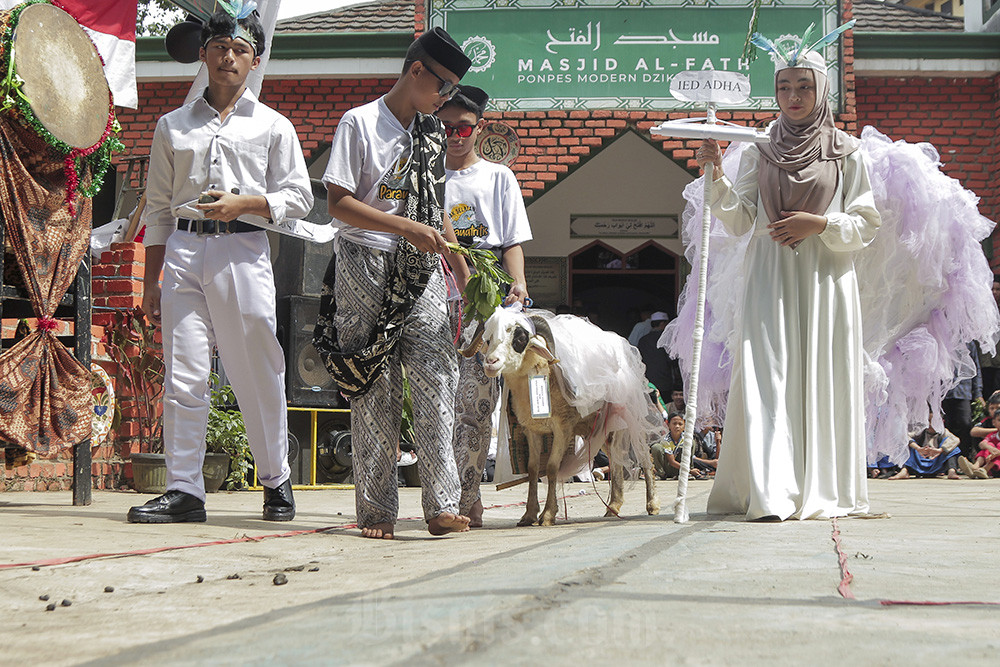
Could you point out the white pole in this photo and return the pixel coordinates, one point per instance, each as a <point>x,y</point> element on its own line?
<point>268,10</point>
<point>691,412</point>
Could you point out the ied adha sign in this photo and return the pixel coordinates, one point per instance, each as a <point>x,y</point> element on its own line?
<point>618,54</point>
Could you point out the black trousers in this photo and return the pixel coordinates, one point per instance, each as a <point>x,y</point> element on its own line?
<point>958,420</point>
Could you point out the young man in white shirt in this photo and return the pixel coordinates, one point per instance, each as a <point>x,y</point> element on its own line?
<point>485,206</point>
<point>218,287</point>
<point>383,305</point>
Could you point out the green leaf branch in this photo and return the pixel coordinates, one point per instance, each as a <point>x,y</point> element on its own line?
<point>484,291</point>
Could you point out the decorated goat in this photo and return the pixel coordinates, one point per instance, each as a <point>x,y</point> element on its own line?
<point>568,378</point>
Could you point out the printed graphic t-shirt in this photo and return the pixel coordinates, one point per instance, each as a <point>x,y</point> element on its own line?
<point>485,206</point>
<point>369,157</point>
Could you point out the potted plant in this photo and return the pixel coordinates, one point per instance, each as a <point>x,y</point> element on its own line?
<point>228,450</point>
<point>407,436</point>
<point>131,344</point>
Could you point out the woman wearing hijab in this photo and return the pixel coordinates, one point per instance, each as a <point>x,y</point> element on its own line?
<point>795,423</point>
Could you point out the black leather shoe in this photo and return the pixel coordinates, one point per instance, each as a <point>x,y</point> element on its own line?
<point>278,503</point>
<point>172,507</point>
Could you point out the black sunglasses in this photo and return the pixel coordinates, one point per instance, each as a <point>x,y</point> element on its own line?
<point>448,89</point>
<point>464,131</point>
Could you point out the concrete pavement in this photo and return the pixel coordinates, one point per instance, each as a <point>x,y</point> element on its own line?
<point>642,590</point>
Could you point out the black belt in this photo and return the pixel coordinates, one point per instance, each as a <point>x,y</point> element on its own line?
<point>205,227</point>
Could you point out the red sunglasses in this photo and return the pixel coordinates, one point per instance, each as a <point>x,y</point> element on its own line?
<point>464,131</point>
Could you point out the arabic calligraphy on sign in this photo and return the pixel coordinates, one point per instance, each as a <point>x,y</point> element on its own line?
<point>592,37</point>
<point>596,226</point>
<point>498,142</point>
<point>670,39</point>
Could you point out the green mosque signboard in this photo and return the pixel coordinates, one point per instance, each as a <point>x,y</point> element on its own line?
<point>619,54</point>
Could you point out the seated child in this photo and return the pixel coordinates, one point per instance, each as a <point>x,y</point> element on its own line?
<point>666,453</point>
<point>931,453</point>
<point>985,426</point>
<point>987,462</point>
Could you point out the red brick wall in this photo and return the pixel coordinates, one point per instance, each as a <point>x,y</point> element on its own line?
<point>958,116</point>
<point>314,106</point>
<point>117,283</point>
<point>991,197</point>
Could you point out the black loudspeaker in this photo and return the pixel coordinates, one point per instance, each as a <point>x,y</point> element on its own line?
<point>307,382</point>
<point>300,265</point>
<point>333,447</point>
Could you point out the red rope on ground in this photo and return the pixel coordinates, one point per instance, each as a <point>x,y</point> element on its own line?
<point>146,552</point>
<point>925,603</point>
<point>237,540</point>
<point>845,576</point>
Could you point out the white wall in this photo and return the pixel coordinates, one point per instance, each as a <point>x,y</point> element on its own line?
<point>628,177</point>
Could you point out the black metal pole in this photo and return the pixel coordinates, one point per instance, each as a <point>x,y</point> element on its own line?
<point>82,477</point>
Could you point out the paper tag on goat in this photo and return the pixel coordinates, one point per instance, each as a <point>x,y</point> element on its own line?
<point>538,387</point>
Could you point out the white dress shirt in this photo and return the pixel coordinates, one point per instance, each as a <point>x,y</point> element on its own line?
<point>254,149</point>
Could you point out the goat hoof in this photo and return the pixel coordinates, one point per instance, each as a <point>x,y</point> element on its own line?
<point>547,520</point>
<point>526,521</point>
<point>653,509</point>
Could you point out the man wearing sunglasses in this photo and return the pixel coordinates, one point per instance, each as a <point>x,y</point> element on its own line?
<point>383,307</point>
<point>484,205</point>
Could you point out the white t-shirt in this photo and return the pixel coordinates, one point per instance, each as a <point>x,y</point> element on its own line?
<point>369,156</point>
<point>485,206</point>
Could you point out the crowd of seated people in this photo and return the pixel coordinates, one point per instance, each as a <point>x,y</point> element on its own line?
<point>962,448</point>
<point>944,454</point>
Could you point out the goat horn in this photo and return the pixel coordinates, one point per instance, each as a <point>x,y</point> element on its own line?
<point>477,342</point>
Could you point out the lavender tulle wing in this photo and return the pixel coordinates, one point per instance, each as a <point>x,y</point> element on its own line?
<point>723,300</point>
<point>925,289</point>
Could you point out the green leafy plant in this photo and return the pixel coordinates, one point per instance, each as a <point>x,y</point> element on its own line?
<point>484,291</point>
<point>131,344</point>
<point>406,432</point>
<point>978,411</point>
<point>227,434</point>
<point>155,17</point>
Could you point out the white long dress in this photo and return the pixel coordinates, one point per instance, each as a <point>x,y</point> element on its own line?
<point>794,436</point>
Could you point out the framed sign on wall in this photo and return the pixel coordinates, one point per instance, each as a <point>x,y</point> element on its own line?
<point>618,54</point>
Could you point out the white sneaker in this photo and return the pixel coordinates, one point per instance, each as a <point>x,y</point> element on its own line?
<point>406,459</point>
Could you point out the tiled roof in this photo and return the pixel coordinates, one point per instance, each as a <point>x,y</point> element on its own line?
<point>376,16</point>
<point>876,16</point>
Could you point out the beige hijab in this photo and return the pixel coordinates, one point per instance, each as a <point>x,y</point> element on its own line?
<point>800,169</point>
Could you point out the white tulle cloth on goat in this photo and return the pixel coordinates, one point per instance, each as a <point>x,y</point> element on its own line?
<point>603,377</point>
<point>827,350</point>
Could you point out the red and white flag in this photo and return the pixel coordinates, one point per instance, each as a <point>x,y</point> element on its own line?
<point>111,26</point>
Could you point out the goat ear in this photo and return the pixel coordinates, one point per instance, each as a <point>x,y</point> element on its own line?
<point>541,348</point>
<point>519,339</point>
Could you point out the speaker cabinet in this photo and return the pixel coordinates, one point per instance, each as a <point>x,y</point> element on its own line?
<point>307,382</point>
<point>333,447</point>
<point>299,265</point>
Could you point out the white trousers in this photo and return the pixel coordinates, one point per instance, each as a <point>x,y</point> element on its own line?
<point>219,291</point>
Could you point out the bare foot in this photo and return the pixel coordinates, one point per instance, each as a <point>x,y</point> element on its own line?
<point>902,474</point>
<point>476,514</point>
<point>446,522</point>
<point>952,474</point>
<point>380,531</point>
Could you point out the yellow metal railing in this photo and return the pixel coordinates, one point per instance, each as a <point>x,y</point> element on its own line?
<point>313,436</point>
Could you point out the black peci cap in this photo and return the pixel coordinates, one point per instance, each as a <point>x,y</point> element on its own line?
<point>441,47</point>
<point>475,95</point>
